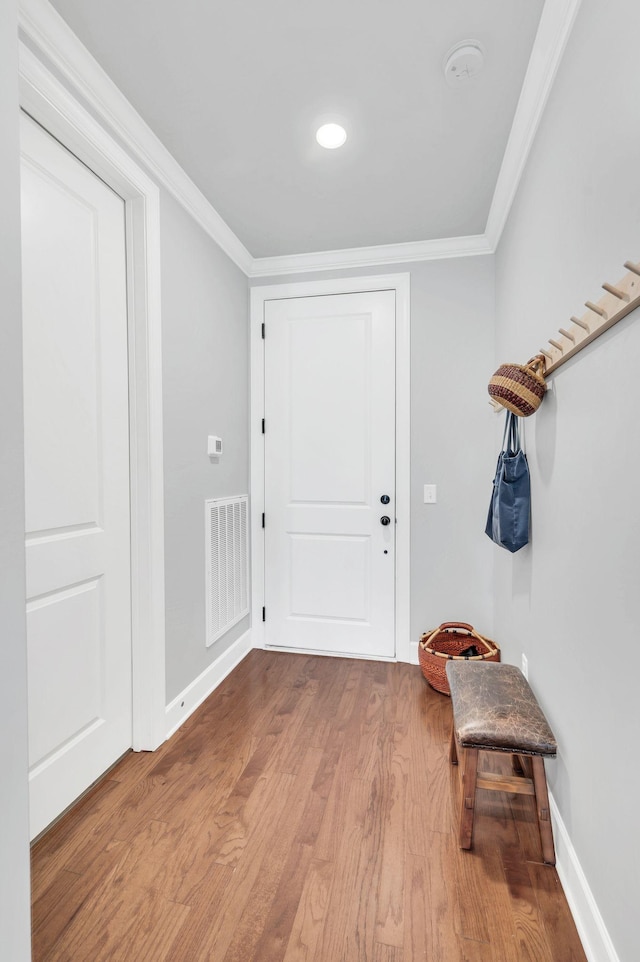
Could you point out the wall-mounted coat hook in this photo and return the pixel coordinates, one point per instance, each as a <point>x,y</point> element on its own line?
<point>621,295</point>
<point>580,323</point>
<point>597,309</point>
<point>619,300</point>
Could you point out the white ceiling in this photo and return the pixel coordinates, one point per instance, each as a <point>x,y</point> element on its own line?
<point>235,91</point>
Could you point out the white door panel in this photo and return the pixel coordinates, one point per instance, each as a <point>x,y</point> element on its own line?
<point>64,558</point>
<point>64,625</point>
<point>329,457</point>
<point>328,362</point>
<point>61,455</point>
<point>76,474</point>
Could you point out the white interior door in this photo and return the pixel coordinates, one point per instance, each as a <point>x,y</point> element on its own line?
<point>76,474</point>
<point>329,468</point>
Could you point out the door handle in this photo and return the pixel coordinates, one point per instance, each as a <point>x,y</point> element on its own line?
<point>385,519</point>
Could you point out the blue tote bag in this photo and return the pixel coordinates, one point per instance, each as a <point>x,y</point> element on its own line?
<point>510,507</point>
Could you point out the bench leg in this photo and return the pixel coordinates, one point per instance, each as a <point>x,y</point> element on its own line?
<point>453,748</point>
<point>544,815</point>
<point>467,808</point>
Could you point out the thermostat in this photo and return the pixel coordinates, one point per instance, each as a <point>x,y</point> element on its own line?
<point>214,446</point>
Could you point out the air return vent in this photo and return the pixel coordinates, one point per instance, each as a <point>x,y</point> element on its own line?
<point>227,562</point>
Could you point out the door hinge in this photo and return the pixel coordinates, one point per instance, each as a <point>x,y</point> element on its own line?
<point>264,614</point>
<point>263,425</point>
<point>263,332</point>
<point>263,519</point>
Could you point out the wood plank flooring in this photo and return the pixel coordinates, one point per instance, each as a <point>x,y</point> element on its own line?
<point>305,813</point>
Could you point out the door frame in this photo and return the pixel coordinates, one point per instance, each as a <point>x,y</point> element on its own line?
<point>401,284</point>
<point>57,110</point>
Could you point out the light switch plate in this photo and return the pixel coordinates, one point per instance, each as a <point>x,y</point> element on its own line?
<point>430,493</point>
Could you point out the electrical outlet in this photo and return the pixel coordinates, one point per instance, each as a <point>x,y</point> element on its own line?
<point>525,667</point>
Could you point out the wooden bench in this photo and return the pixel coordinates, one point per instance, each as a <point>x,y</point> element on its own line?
<point>494,710</point>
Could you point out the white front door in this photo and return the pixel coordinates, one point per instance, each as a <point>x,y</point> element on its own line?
<point>76,474</point>
<point>330,473</point>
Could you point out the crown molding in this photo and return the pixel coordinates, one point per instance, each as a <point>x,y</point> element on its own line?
<point>45,29</point>
<point>554,29</point>
<point>357,257</point>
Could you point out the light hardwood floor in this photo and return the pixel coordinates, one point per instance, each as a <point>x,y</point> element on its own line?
<point>307,811</point>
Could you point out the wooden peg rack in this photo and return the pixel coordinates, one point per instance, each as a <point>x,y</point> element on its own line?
<point>618,301</point>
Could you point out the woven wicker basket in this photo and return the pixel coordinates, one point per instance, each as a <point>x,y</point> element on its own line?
<point>519,387</point>
<point>446,643</point>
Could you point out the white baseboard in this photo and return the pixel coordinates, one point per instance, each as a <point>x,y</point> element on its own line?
<point>194,694</point>
<point>596,941</point>
<point>413,656</point>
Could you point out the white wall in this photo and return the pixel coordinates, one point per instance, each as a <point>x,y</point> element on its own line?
<point>452,312</point>
<point>14,824</point>
<point>452,348</point>
<point>570,599</point>
<point>205,391</point>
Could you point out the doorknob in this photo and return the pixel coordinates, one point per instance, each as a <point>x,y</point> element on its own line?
<point>385,499</point>
<point>385,519</point>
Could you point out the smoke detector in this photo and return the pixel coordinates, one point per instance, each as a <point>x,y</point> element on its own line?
<point>463,63</point>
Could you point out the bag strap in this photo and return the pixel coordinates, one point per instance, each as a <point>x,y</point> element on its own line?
<point>516,434</point>
<point>511,437</point>
<point>507,427</point>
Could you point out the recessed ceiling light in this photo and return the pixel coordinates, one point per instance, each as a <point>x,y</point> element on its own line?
<point>331,136</point>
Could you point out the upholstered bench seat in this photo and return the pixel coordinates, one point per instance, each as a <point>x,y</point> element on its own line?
<point>494,709</point>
